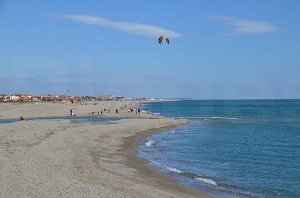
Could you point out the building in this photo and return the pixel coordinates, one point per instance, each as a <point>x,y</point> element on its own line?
<point>106,98</point>
<point>69,99</point>
<point>13,97</point>
<point>110,98</point>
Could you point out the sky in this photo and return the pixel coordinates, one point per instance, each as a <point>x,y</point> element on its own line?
<point>219,49</point>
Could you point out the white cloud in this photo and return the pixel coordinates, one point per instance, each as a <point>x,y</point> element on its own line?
<point>243,26</point>
<point>129,27</point>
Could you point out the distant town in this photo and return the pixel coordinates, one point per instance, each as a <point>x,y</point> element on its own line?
<point>63,98</point>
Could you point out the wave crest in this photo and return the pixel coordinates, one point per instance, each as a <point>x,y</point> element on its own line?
<point>175,170</point>
<point>150,143</point>
<point>206,180</point>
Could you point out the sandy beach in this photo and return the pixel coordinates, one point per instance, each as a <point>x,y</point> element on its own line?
<point>60,158</point>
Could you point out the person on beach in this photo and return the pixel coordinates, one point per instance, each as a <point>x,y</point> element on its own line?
<point>22,118</point>
<point>117,111</point>
<point>71,112</point>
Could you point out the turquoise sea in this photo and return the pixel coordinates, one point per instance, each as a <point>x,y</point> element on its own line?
<point>230,148</point>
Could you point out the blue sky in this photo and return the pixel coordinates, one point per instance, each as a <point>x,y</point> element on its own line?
<point>226,49</point>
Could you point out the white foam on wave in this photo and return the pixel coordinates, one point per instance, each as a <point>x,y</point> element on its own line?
<point>175,170</point>
<point>224,118</point>
<point>206,180</point>
<point>198,121</point>
<point>155,163</point>
<point>150,143</point>
<point>213,117</point>
<point>173,131</point>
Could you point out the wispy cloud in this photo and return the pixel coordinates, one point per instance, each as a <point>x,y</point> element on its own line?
<point>244,26</point>
<point>129,27</point>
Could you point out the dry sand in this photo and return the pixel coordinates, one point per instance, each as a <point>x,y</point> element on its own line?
<point>59,158</point>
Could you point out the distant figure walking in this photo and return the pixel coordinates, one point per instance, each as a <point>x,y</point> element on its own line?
<point>22,119</point>
<point>117,111</point>
<point>71,112</point>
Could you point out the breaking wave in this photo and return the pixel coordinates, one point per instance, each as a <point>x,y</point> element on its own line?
<point>193,176</point>
<point>150,143</point>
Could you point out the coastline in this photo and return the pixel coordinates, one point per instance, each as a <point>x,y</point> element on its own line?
<point>59,158</point>
<point>157,179</point>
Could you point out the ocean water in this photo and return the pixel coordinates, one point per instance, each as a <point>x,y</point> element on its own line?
<point>238,148</point>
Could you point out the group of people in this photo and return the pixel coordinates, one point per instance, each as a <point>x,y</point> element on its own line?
<point>131,110</point>
<point>137,111</point>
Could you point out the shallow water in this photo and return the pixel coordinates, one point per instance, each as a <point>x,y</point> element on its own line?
<point>241,148</point>
<point>74,119</point>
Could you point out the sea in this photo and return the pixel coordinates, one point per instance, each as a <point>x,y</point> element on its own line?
<point>230,148</point>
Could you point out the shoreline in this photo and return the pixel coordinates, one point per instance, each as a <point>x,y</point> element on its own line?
<point>130,150</point>
<point>59,158</point>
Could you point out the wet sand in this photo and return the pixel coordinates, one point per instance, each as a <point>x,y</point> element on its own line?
<point>60,158</point>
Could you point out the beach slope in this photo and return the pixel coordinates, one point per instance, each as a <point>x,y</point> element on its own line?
<point>60,158</point>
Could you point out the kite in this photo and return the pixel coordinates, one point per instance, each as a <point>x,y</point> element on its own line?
<point>162,37</point>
